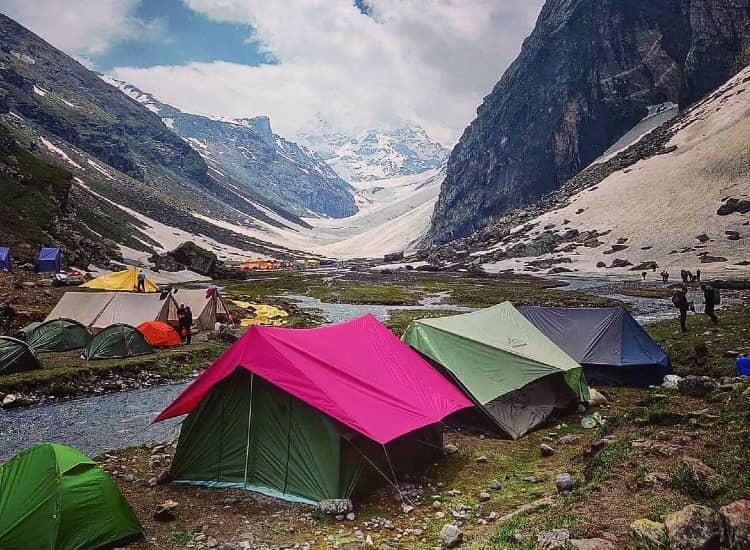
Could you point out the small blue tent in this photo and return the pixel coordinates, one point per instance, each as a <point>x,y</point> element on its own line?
<point>612,347</point>
<point>6,260</point>
<point>49,260</point>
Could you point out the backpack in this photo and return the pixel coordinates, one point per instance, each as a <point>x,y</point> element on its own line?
<point>677,299</point>
<point>717,296</point>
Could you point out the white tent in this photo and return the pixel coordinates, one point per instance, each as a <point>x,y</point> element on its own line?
<point>205,307</point>
<point>101,309</point>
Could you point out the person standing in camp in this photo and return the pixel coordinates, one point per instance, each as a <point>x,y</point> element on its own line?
<point>188,317</point>
<point>141,281</point>
<point>680,301</point>
<point>711,298</point>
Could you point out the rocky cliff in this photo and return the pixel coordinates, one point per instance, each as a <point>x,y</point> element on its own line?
<point>587,74</point>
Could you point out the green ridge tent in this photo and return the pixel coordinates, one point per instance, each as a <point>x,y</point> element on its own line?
<point>117,341</point>
<point>516,376</point>
<point>16,356</point>
<point>53,497</point>
<point>58,335</point>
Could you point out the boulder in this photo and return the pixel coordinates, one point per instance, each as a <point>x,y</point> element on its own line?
<point>546,450</point>
<point>695,527</point>
<point>569,439</point>
<point>596,398</point>
<point>451,536</point>
<point>735,521</point>
<point>732,206</point>
<point>166,511</point>
<point>702,477</point>
<point>618,262</point>
<point>194,258</point>
<point>648,534</point>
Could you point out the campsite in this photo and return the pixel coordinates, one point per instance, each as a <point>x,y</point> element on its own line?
<point>492,473</point>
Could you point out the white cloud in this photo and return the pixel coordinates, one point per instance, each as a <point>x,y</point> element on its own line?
<point>82,28</point>
<point>427,61</point>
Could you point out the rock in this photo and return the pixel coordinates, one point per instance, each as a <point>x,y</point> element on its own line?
<point>596,398</point>
<point>194,258</point>
<point>129,478</point>
<point>484,497</point>
<point>450,449</point>
<point>495,485</point>
<point>648,534</point>
<point>451,536</point>
<point>552,539</point>
<point>439,515</point>
<point>601,264</point>
<point>351,516</point>
<point>481,459</point>
<point>696,386</point>
<point>166,510</point>
<point>9,399</point>
<point>664,449</point>
<point>335,506</point>
<point>708,259</point>
<point>694,527</point>
<point>598,444</point>
<point>546,450</point>
<point>703,238</point>
<point>701,477</point>
<point>564,483</point>
<point>569,439</point>
<point>591,544</point>
<point>735,521</point>
<point>407,508</point>
<point>618,262</point>
<point>732,206</point>
<point>732,235</point>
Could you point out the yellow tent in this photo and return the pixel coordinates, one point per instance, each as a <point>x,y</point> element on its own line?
<point>126,281</point>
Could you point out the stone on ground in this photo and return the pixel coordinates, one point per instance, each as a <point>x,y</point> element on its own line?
<point>565,483</point>
<point>451,536</point>
<point>546,450</point>
<point>591,544</point>
<point>735,520</point>
<point>649,534</point>
<point>336,506</point>
<point>552,539</point>
<point>694,527</point>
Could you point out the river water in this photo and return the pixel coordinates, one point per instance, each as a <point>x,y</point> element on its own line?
<point>99,423</point>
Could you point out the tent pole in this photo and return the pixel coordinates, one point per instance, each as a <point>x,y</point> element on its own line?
<point>249,419</point>
<point>395,478</point>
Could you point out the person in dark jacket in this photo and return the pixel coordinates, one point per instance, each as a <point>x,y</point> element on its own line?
<point>709,297</point>
<point>680,301</point>
<point>185,323</point>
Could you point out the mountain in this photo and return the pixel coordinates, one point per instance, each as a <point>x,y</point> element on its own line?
<point>267,166</point>
<point>375,154</point>
<point>590,70</point>
<point>677,197</point>
<point>133,185</point>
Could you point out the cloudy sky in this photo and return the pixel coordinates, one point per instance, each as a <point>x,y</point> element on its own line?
<point>355,63</point>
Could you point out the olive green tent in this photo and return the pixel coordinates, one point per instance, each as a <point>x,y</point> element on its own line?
<point>516,376</point>
<point>58,335</point>
<point>54,498</point>
<point>23,333</point>
<point>117,341</point>
<point>16,356</point>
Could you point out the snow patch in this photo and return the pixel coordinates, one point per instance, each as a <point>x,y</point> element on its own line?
<point>53,148</point>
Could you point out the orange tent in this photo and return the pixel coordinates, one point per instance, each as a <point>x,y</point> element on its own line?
<point>159,334</point>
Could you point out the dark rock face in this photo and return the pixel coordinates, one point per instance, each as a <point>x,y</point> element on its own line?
<point>585,76</point>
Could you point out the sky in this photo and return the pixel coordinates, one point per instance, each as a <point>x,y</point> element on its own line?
<point>353,64</point>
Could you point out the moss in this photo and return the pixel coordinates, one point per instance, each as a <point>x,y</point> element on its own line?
<point>399,319</point>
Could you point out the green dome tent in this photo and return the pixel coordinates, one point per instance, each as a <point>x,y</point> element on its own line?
<point>58,335</point>
<point>117,341</point>
<point>23,333</point>
<point>53,497</point>
<point>16,356</point>
<point>516,376</point>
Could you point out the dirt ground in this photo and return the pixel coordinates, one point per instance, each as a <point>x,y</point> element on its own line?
<point>31,295</point>
<point>612,487</point>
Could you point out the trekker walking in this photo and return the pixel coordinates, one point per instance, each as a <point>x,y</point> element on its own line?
<point>712,298</point>
<point>684,276</point>
<point>141,281</point>
<point>680,301</point>
<point>698,275</point>
<point>643,275</point>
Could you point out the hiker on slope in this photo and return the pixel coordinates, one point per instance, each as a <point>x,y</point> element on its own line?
<point>712,298</point>
<point>680,301</point>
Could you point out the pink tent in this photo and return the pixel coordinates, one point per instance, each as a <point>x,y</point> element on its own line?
<point>357,372</point>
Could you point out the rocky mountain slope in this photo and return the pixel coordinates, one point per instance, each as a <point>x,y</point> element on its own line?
<point>135,185</point>
<point>677,198</point>
<point>589,71</point>
<point>266,166</point>
<point>376,154</point>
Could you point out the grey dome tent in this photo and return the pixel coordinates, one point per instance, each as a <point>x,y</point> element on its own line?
<point>117,341</point>
<point>58,335</point>
<point>516,376</point>
<point>612,347</point>
<point>16,356</point>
